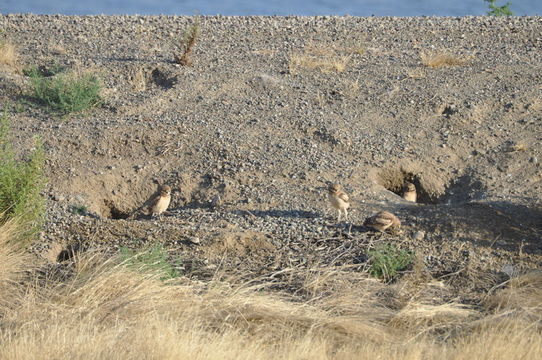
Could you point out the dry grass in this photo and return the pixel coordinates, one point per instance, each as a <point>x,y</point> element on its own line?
<point>57,49</point>
<point>356,49</point>
<point>8,54</point>
<point>13,263</point>
<point>522,294</point>
<point>443,59</point>
<point>324,58</point>
<point>415,74</point>
<point>139,80</point>
<point>516,147</point>
<point>324,64</point>
<point>106,311</point>
<point>350,89</point>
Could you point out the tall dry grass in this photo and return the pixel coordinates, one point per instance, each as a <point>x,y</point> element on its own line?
<point>324,58</point>
<point>107,311</point>
<point>8,54</point>
<point>443,59</point>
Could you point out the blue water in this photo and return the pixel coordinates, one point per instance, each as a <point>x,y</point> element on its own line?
<point>267,7</point>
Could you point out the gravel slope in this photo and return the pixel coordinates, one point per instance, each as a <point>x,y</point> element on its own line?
<point>265,118</point>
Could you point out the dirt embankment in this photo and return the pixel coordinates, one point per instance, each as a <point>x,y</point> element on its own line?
<point>270,111</point>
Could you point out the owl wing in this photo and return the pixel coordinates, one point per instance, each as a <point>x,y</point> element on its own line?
<point>382,220</point>
<point>342,195</point>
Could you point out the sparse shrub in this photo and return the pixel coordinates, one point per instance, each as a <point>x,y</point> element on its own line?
<point>8,54</point>
<point>66,93</point>
<point>79,209</point>
<point>21,183</point>
<point>320,57</point>
<point>387,260</point>
<point>153,260</point>
<point>44,71</point>
<point>442,59</point>
<point>495,10</point>
<point>187,45</point>
<point>325,65</point>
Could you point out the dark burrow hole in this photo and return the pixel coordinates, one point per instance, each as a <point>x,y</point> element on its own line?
<point>110,211</point>
<point>161,79</point>
<point>449,110</point>
<point>459,190</point>
<point>68,253</point>
<point>394,181</point>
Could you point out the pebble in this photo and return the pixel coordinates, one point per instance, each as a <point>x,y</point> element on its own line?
<point>194,240</point>
<point>418,235</point>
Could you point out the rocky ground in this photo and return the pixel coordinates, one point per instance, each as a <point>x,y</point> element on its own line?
<point>271,110</point>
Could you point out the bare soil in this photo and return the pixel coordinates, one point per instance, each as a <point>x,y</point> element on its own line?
<point>271,110</point>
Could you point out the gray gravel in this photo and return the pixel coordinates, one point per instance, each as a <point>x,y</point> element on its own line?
<point>242,123</point>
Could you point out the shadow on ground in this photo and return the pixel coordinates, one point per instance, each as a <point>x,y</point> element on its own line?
<point>498,224</point>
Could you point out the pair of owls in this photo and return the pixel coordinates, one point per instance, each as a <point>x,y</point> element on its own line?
<point>380,221</point>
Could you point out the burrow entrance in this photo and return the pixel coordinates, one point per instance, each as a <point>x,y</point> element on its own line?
<point>431,189</point>
<point>395,179</point>
<point>163,79</point>
<point>110,211</point>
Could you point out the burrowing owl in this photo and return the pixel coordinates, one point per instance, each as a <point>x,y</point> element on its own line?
<point>339,200</point>
<point>382,221</point>
<point>161,202</point>
<point>409,192</point>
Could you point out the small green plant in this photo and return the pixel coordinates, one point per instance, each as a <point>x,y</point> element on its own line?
<point>187,45</point>
<point>44,71</point>
<point>387,260</point>
<point>21,183</point>
<point>153,259</point>
<point>495,10</point>
<point>66,93</point>
<point>78,209</point>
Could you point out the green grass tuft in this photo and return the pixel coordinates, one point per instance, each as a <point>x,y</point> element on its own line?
<point>187,45</point>
<point>44,71</point>
<point>387,261</point>
<point>153,260</point>
<point>21,183</point>
<point>79,209</point>
<point>495,10</point>
<point>65,93</point>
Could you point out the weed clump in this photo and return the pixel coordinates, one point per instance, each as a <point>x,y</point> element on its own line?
<point>8,54</point>
<point>442,59</point>
<point>44,71</point>
<point>20,184</point>
<point>79,209</point>
<point>323,58</point>
<point>154,259</point>
<point>66,93</point>
<point>187,45</point>
<point>387,261</point>
<point>495,10</point>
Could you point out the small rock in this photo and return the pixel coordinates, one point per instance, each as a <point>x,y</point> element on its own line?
<point>194,240</point>
<point>58,198</point>
<point>216,201</point>
<point>510,270</point>
<point>418,235</point>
